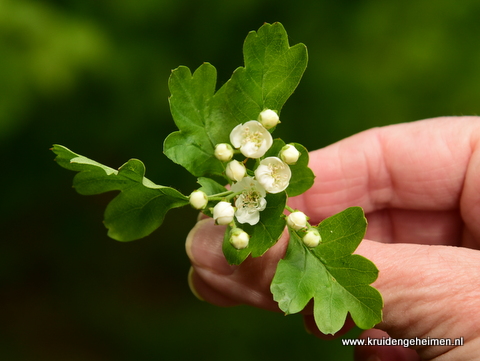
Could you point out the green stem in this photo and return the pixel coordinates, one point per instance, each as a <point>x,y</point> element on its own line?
<point>224,196</point>
<point>233,195</point>
<point>226,193</point>
<point>290,209</point>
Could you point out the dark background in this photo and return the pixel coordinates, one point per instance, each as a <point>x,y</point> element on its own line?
<point>92,75</point>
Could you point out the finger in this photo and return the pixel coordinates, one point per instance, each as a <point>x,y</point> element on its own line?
<point>222,284</point>
<point>419,166</point>
<point>428,293</point>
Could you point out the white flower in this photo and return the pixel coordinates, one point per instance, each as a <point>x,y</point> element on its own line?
<point>273,174</point>
<point>297,220</point>
<point>289,154</point>
<point>223,213</point>
<point>312,238</point>
<point>250,202</point>
<point>235,170</point>
<point>239,238</point>
<point>252,138</point>
<point>223,152</point>
<point>268,118</point>
<point>198,199</point>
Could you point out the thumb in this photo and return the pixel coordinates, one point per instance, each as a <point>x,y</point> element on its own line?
<point>212,279</point>
<point>430,292</point>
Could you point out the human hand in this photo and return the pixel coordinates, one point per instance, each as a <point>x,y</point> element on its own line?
<point>419,185</point>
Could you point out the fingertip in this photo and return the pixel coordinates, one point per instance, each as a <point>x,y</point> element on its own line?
<point>204,247</point>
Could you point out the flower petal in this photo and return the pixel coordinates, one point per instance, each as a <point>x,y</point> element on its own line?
<point>273,174</point>
<point>251,138</point>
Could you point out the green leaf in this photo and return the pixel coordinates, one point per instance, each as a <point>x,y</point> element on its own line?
<point>190,103</point>
<point>263,235</point>
<point>140,207</point>
<point>210,186</point>
<point>338,281</point>
<point>272,71</point>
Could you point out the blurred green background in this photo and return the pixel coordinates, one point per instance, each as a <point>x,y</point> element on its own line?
<point>92,75</point>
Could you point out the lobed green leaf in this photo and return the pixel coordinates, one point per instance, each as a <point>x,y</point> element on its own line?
<point>338,281</point>
<point>190,104</point>
<point>204,118</point>
<point>140,207</point>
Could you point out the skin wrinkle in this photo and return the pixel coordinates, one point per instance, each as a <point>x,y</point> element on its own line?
<point>467,207</point>
<point>435,292</point>
<point>405,311</point>
<point>378,199</point>
<point>205,292</point>
<point>449,356</point>
<point>439,177</point>
<point>378,203</point>
<point>380,195</point>
<point>396,297</point>
<point>438,320</point>
<point>236,290</point>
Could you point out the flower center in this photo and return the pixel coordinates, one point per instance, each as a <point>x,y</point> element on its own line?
<point>250,199</point>
<point>276,173</point>
<point>252,137</point>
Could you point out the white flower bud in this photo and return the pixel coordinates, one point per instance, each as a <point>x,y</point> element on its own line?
<point>297,220</point>
<point>235,170</point>
<point>251,138</point>
<point>198,199</point>
<point>289,154</point>
<point>239,238</point>
<point>312,238</point>
<point>273,174</point>
<point>223,152</point>
<point>223,213</point>
<point>268,118</point>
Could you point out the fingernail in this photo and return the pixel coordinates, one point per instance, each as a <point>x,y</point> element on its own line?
<point>204,247</point>
<point>188,242</point>
<point>190,284</point>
